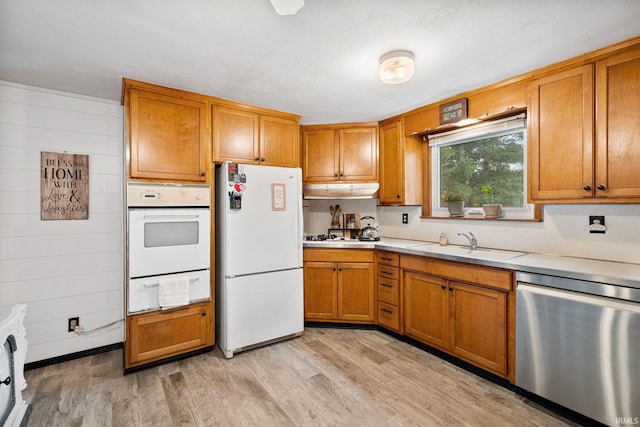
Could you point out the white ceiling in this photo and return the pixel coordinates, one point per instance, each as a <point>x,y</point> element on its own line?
<point>320,63</point>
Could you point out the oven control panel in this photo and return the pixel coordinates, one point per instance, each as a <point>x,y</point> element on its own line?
<point>145,194</point>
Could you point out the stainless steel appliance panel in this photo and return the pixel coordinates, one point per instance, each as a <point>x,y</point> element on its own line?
<point>578,350</point>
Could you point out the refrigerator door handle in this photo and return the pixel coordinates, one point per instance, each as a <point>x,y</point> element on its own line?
<point>299,225</point>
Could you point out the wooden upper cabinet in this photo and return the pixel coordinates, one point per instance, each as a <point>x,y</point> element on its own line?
<point>279,142</point>
<point>348,154</point>
<point>584,129</point>
<point>400,166</point>
<point>166,135</point>
<point>359,154</point>
<point>321,156</point>
<point>245,136</point>
<point>235,135</point>
<point>618,126</point>
<point>560,140</point>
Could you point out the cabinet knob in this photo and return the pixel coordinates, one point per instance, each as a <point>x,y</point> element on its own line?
<point>398,196</point>
<point>203,173</point>
<point>339,269</point>
<point>443,287</point>
<point>336,175</point>
<point>601,187</point>
<point>257,159</point>
<point>334,269</point>
<point>587,188</point>
<point>450,288</point>
<point>262,159</point>
<point>204,314</point>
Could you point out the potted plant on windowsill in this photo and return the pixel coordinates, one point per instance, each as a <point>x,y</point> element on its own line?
<point>455,204</point>
<point>491,209</point>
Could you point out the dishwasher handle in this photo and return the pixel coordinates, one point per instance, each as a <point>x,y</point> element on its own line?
<point>593,288</point>
<point>600,301</point>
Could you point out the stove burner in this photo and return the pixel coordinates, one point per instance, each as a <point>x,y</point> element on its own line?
<point>317,238</point>
<point>323,237</point>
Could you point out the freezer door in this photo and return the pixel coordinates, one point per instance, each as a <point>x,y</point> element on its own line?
<point>260,308</point>
<point>265,232</point>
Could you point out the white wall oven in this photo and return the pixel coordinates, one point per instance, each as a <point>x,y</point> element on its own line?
<point>168,243</point>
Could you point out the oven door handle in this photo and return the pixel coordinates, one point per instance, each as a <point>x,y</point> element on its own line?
<point>151,216</point>
<point>156,284</point>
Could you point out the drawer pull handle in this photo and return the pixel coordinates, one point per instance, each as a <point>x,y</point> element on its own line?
<point>156,284</point>
<point>386,311</point>
<point>386,285</point>
<point>386,259</point>
<point>387,272</point>
<point>6,381</point>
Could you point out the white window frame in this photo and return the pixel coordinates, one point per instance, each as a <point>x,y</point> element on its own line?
<point>480,131</point>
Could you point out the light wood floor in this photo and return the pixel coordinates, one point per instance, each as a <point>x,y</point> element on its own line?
<point>327,377</point>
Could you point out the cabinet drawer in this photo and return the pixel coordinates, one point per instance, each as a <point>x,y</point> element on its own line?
<point>388,290</point>
<point>163,334</point>
<point>487,276</point>
<point>389,316</point>
<point>388,272</point>
<point>338,255</point>
<point>388,258</point>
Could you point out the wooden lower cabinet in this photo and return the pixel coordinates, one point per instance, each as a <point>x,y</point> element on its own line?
<point>161,334</point>
<point>425,309</point>
<point>339,291</point>
<point>478,325</point>
<point>463,319</point>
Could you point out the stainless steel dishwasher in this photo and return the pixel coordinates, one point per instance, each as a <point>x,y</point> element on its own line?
<point>578,345</point>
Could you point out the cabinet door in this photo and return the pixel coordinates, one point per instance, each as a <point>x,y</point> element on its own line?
<point>478,328</point>
<point>359,154</point>
<point>561,135</point>
<point>158,335</point>
<point>279,144</point>
<point>235,135</point>
<point>167,137</point>
<point>391,164</point>
<point>425,309</point>
<point>321,155</point>
<point>618,124</point>
<point>356,292</point>
<point>320,291</point>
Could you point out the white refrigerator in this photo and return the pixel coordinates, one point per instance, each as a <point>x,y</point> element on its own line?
<point>259,280</point>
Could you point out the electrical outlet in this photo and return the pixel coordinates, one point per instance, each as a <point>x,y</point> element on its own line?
<point>74,322</point>
<point>405,218</point>
<point>596,224</point>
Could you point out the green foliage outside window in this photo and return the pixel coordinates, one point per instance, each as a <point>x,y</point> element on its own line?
<point>496,162</point>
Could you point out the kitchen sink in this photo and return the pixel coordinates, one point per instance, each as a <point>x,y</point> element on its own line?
<point>467,252</point>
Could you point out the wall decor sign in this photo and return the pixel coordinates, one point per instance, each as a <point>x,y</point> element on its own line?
<point>278,197</point>
<point>453,111</point>
<point>64,186</point>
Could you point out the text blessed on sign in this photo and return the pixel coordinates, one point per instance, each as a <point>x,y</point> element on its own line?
<point>64,186</point>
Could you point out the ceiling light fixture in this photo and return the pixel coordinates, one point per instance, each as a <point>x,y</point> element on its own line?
<point>287,7</point>
<point>396,67</point>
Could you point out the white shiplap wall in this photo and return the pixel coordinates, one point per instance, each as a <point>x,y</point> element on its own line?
<point>63,268</point>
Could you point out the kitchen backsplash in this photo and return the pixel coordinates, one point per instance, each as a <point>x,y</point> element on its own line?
<point>317,218</point>
<point>564,231</point>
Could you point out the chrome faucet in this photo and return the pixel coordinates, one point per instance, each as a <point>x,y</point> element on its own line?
<point>472,240</point>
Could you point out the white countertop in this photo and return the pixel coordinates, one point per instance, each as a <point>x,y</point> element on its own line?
<point>618,273</point>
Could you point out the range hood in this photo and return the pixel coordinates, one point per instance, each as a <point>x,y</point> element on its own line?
<point>367,190</point>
